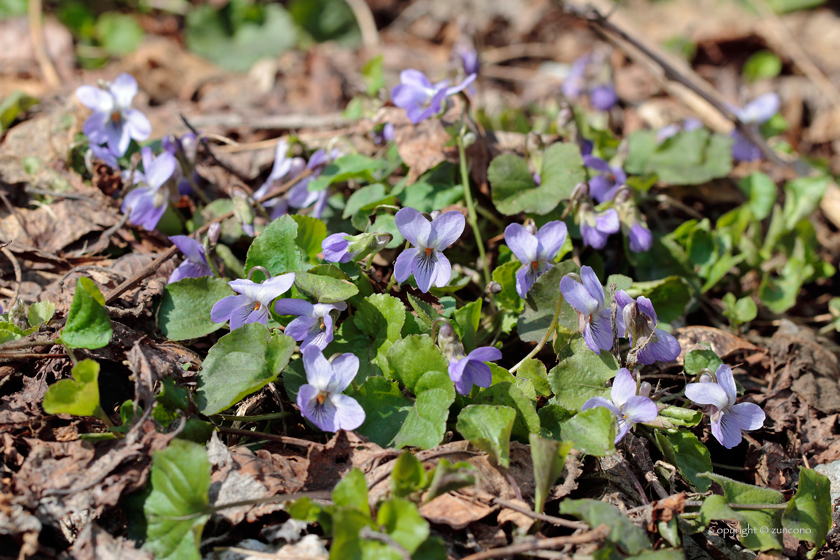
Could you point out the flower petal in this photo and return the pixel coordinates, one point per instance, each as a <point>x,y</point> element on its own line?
<point>95,98</point>
<point>608,221</point>
<point>414,227</point>
<point>224,308</point>
<point>319,372</point>
<point>258,316</point>
<point>445,230</point>
<point>335,247</point>
<point>424,267</point>
<point>640,409</point>
<point>302,328</point>
<point>137,124</point>
<point>124,88</point>
<point>320,414</point>
<point>349,414</point>
<point>600,186</point>
<point>592,284</point>
<point>191,248</point>
<point>599,332</point>
<point>748,416</point>
<point>415,78</point>
<point>596,163</point>
<point>189,269</point>
<point>646,307</point>
<point>665,349</point>
<point>727,382</point>
<point>94,128</point>
<point>524,245</point>
<point>462,86</point>
<point>443,270</point>
<point>404,264</point>
<point>578,296</point>
<point>640,238</point>
<point>117,135</point>
<point>726,430</point>
<point>345,367</point>
<point>524,281</point>
<point>291,306</point>
<point>475,373</point>
<point>761,109</point>
<point>707,393</point>
<point>624,387</point>
<point>485,354</point>
<point>601,401</point>
<point>551,238</point>
<point>266,292</point>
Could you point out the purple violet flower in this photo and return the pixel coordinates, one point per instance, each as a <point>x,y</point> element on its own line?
<point>596,227</point>
<point>426,260</point>
<point>758,111</point>
<point>728,418</point>
<point>335,248</point>
<point>284,169</point>
<point>637,321</point>
<point>603,186</point>
<point>147,203</point>
<point>575,82</point>
<point>420,98</point>
<point>105,155</point>
<point>383,135</point>
<point>468,55</point>
<point>628,407</point>
<point>588,300</point>
<point>113,120</point>
<point>603,97</point>
<point>640,238</point>
<point>471,370</point>
<point>320,401</point>
<point>300,196</point>
<point>314,324</point>
<point>588,73</point>
<point>253,303</point>
<point>195,264</point>
<point>535,252</point>
<point>184,149</point>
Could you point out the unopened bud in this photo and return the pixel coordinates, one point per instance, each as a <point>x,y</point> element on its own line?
<point>469,139</point>
<point>493,288</point>
<point>531,228</point>
<point>645,389</point>
<point>242,210</point>
<point>449,343</point>
<point>580,191</point>
<point>213,232</point>
<point>705,378</point>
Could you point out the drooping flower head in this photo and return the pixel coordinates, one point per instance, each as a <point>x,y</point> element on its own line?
<point>300,196</point>
<point>535,252</point>
<point>758,111</point>
<point>628,407</point>
<point>184,149</point>
<point>633,225</point>
<point>195,264</point>
<point>285,169</point>
<point>113,121</point>
<point>472,370</point>
<point>596,227</point>
<point>587,299</point>
<point>341,247</point>
<point>148,202</point>
<point>426,260</point>
<point>420,98</point>
<point>728,418</point>
<point>320,401</point>
<point>602,187</point>
<point>253,303</point>
<point>590,74</point>
<point>637,321</point>
<point>468,55</point>
<point>314,324</point>
<point>383,134</point>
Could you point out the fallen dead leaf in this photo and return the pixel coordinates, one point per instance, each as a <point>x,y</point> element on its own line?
<point>723,343</point>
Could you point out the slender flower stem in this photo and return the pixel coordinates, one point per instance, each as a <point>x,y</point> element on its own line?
<point>545,337</point>
<point>208,254</point>
<point>472,218</point>
<point>394,274</point>
<point>255,418</point>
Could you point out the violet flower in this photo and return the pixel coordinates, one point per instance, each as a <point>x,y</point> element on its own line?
<point>335,248</point>
<point>420,98</point>
<point>147,203</point>
<point>184,149</point>
<point>589,73</point>
<point>603,97</point>
<point>253,303</point>
<point>314,324</point>
<point>426,260</point>
<point>535,252</point>
<point>603,186</point>
<point>300,196</point>
<point>195,264</point>
<point>758,111</point>
<point>728,418</point>
<point>471,370</point>
<point>628,407</point>
<point>639,237</point>
<point>320,401</point>
<point>383,134</point>
<point>596,227</point>
<point>284,169</point>
<point>588,300</point>
<point>113,120</point>
<point>468,55</point>
<point>637,321</point>
<point>105,155</point>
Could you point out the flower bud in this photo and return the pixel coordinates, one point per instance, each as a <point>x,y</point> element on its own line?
<point>448,342</point>
<point>243,211</point>
<point>213,232</point>
<point>493,288</point>
<point>469,139</point>
<point>580,191</point>
<point>645,389</point>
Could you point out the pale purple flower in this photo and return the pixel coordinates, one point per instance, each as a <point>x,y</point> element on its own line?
<point>728,418</point>
<point>426,260</point>
<point>637,321</point>
<point>468,55</point>
<point>195,264</point>
<point>535,252</point>
<point>105,155</point>
<point>537,179</point>
<point>596,227</point>
<point>640,238</point>
<point>148,202</point>
<point>284,169</point>
<point>300,196</point>
<point>113,120</point>
<point>420,98</point>
<point>588,74</point>
<point>588,300</point>
<point>314,324</point>
<point>603,186</point>
<point>575,82</point>
<point>335,248</point>
<point>603,97</point>
<point>758,111</point>
<point>320,401</point>
<point>628,407</point>
<point>672,129</point>
<point>184,149</point>
<point>254,302</point>
<point>471,369</point>
<point>383,134</point>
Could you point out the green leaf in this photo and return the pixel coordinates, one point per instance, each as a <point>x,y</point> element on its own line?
<point>513,187</point>
<point>348,338</point>
<point>448,477</point>
<point>592,431</point>
<point>119,33</point>
<point>352,492</point>
<point>403,522</point>
<point>505,275</point>
<point>466,321</point>
<point>783,6</point>
<point>88,325</point>
<point>40,313</point>
<point>549,457</point>
<point>373,74</point>
<point>808,514</point>
<point>408,475</point>
<point>426,423</point>
<point>366,199</point>
<point>802,197</point>
<point>509,395</point>
<point>275,249</point>
<point>347,545</point>
<point>762,194</point>
<point>535,372</point>
<point>323,288</point>
<point>382,317</point>
<point>13,106</point>
<point>239,33</point>
<point>761,529</point>
<point>552,417</point>
<point>541,305</point>
<point>670,296</point>
<point>413,356</point>
<point>240,363</point>
<point>681,416</point>
<point>696,361</point>
<point>385,409</point>
<point>762,65</point>
<point>79,396</point>
<point>720,269</point>
<point>351,166</point>
<point>581,375</point>
<point>488,427</point>
<point>432,191</point>
<point>623,532</point>
<point>180,480</point>
<point>311,233</point>
<point>688,158</point>
<point>682,449</point>
<point>185,310</point>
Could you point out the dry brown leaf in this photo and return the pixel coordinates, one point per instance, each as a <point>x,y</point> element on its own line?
<point>456,509</point>
<point>723,343</point>
<point>421,146</point>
